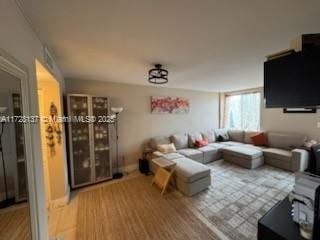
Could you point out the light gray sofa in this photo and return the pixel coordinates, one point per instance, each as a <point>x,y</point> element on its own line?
<point>192,176</point>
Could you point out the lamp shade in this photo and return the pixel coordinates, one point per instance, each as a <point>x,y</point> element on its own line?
<point>117,109</point>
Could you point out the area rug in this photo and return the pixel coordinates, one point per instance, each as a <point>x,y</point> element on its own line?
<point>134,209</point>
<point>239,197</point>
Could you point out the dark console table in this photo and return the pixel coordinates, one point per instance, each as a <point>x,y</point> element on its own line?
<point>277,224</point>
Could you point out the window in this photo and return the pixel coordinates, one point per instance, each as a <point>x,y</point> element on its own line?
<point>243,111</point>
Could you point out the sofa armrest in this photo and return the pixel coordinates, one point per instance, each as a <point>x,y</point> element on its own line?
<point>300,160</point>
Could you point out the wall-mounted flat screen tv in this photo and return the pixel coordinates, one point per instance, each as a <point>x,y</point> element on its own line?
<point>293,80</point>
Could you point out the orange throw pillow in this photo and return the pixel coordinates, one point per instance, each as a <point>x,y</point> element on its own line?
<point>259,139</point>
<point>201,143</point>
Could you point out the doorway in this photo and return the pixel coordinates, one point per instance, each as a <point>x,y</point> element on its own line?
<point>52,142</point>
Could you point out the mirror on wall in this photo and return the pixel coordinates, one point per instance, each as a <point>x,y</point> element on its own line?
<point>14,207</point>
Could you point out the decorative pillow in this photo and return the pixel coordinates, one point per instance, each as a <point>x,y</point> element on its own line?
<point>222,134</point>
<point>166,148</point>
<point>201,143</point>
<point>193,137</point>
<point>259,140</point>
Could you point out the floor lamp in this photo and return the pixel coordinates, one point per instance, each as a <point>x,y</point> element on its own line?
<point>117,111</point>
<point>7,202</point>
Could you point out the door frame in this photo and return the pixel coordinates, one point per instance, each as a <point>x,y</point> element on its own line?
<point>13,67</point>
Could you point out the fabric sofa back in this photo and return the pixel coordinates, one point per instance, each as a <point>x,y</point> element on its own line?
<point>180,140</point>
<point>286,141</point>
<point>236,135</point>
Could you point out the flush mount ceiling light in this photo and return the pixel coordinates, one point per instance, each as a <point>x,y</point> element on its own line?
<point>158,75</point>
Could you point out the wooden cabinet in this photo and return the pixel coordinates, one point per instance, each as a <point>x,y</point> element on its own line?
<point>89,139</point>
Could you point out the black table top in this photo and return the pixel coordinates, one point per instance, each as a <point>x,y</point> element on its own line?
<point>279,221</point>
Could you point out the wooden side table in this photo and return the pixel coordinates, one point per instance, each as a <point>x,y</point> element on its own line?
<point>164,173</point>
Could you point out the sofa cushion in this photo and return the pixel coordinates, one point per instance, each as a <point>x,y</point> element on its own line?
<point>286,141</point>
<point>190,171</point>
<point>243,152</point>
<point>248,134</point>
<point>209,154</point>
<point>209,135</point>
<point>193,137</point>
<point>253,146</point>
<point>155,141</point>
<point>236,135</point>
<point>172,156</point>
<point>192,153</point>
<point>221,134</point>
<point>232,143</point>
<point>180,140</point>
<point>277,153</point>
<point>218,146</point>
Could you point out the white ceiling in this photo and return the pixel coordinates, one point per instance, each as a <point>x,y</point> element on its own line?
<point>206,45</point>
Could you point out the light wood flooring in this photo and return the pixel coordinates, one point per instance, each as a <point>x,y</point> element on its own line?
<point>130,209</point>
<point>15,223</point>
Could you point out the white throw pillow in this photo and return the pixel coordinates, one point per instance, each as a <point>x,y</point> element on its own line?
<point>166,148</point>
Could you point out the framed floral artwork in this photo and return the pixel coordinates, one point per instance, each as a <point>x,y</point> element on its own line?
<point>169,105</point>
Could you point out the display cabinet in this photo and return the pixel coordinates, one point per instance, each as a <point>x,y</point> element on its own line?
<point>89,139</point>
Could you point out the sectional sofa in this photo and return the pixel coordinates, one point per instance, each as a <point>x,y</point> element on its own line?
<point>192,175</point>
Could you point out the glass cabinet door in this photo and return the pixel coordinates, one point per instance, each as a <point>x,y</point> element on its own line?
<point>101,138</point>
<point>81,164</point>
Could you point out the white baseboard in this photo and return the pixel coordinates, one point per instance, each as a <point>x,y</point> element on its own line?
<point>128,168</point>
<point>60,202</point>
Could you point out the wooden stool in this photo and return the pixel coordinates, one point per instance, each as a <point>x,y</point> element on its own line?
<point>164,173</point>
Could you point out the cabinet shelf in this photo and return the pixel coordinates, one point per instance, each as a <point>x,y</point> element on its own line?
<point>99,165</point>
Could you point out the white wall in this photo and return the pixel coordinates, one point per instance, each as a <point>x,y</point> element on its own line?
<point>18,40</point>
<point>276,120</point>
<point>137,124</point>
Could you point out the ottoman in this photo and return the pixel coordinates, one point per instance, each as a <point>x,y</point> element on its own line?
<point>191,177</point>
<point>244,156</point>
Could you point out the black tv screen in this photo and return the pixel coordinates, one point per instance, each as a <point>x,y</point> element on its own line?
<point>293,80</point>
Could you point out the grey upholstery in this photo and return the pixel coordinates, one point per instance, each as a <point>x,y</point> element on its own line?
<point>244,156</point>
<point>218,146</point>
<point>210,136</point>
<point>277,153</point>
<point>236,135</point>
<point>285,140</point>
<point>180,140</point>
<point>232,143</point>
<point>209,154</point>
<point>295,160</point>
<point>190,171</point>
<point>191,177</point>
<point>192,153</point>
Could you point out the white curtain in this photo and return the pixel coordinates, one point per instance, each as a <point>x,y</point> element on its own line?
<point>243,111</point>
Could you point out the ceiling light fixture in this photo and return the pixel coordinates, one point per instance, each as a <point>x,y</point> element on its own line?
<point>158,75</point>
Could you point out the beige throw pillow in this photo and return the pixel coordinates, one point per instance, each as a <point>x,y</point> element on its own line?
<point>166,148</point>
